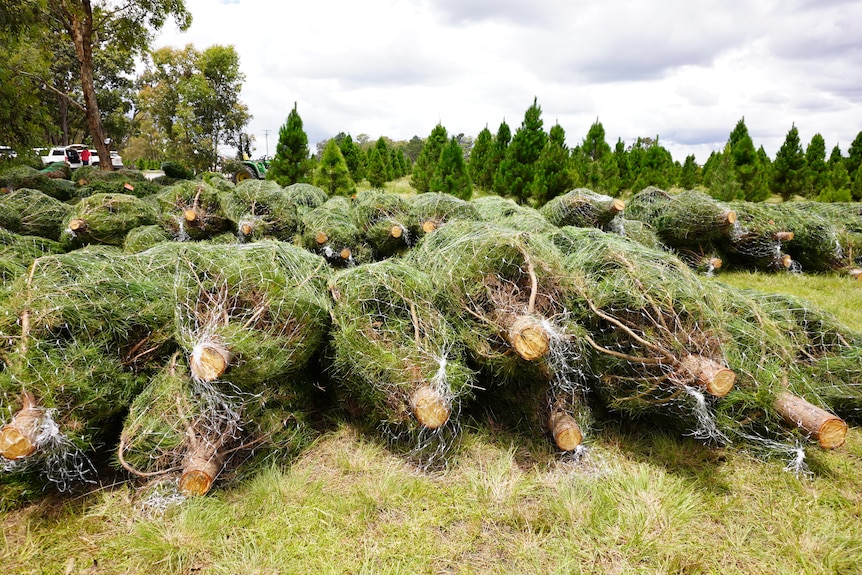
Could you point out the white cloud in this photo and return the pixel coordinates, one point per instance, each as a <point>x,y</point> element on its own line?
<point>686,71</point>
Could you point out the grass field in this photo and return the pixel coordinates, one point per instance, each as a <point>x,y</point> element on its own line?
<point>639,501</point>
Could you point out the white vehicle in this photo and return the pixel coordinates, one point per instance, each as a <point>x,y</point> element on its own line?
<point>67,155</point>
<point>116,160</point>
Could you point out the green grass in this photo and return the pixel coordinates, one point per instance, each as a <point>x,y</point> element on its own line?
<point>641,501</point>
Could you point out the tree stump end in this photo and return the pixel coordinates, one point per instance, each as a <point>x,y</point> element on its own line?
<point>529,338</point>
<point>430,408</point>
<point>566,431</point>
<point>209,361</point>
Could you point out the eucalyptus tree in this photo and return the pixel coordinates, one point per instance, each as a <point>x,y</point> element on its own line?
<point>93,26</point>
<point>193,98</point>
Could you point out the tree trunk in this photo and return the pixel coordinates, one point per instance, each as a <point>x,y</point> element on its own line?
<point>829,430</point>
<point>18,437</point>
<point>430,408</point>
<point>80,23</point>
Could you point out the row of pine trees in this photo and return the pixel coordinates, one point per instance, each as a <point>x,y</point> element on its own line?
<point>533,166</point>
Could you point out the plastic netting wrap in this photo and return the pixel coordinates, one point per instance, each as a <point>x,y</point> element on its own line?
<point>106,219</point>
<point>772,400</point>
<point>655,350</point>
<point>77,338</point>
<point>196,432</point>
<point>261,209</point>
<point>430,210</point>
<point>144,237</point>
<point>506,293</point>
<point>757,240</point>
<point>397,359</point>
<point>814,244</point>
<point>32,213</point>
<point>705,358</point>
<point>244,313</point>
<point>329,230</point>
<point>192,210</point>
<point>506,212</point>
<point>685,220</point>
<point>821,350</point>
<point>54,183</point>
<point>17,252</point>
<point>382,220</point>
<point>583,208</point>
<point>305,197</point>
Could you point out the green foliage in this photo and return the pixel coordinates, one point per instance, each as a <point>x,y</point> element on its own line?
<point>192,98</point>
<point>746,166</point>
<point>650,164</point>
<point>553,175</point>
<point>333,174</point>
<point>426,164</point>
<point>517,168</point>
<point>480,164</point>
<point>789,169</point>
<point>291,163</point>
<point>721,177</point>
<point>451,176</point>
<point>815,161</point>
<point>377,171</point>
<point>261,209</point>
<point>176,170</point>
<point>691,175</point>
<point>106,219</point>
<point>354,157</point>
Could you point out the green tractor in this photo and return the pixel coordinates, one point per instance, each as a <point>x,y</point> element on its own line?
<point>250,169</point>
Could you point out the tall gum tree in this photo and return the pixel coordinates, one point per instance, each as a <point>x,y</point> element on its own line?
<point>131,23</point>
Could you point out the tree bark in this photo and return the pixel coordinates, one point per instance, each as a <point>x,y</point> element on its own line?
<point>80,27</point>
<point>829,430</point>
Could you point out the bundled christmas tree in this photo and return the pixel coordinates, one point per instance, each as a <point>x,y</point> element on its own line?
<point>261,208</point>
<point>704,358</point>
<point>195,432</point>
<point>396,358</point>
<point>688,220</point>
<point>192,210</point>
<point>382,220</point>
<point>106,219</point>
<point>80,334</point>
<point>32,213</point>
<point>655,350</point>
<point>583,208</point>
<point>430,210</point>
<point>246,313</point>
<point>758,240</point>
<point>329,230</point>
<point>506,292</point>
<point>507,213</point>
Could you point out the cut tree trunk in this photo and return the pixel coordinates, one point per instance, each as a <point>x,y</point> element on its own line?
<point>566,431</point>
<point>713,377</point>
<point>430,408</point>
<point>528,337</point>
<point>200,469</point>
<point>829,430</point>
<point>209,361</point>
<point>18,437</point>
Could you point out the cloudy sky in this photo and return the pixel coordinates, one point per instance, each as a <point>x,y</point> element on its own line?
<point>685,71</point>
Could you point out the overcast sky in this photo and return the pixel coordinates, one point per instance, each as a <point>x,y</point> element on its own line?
<point>684,70</point>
